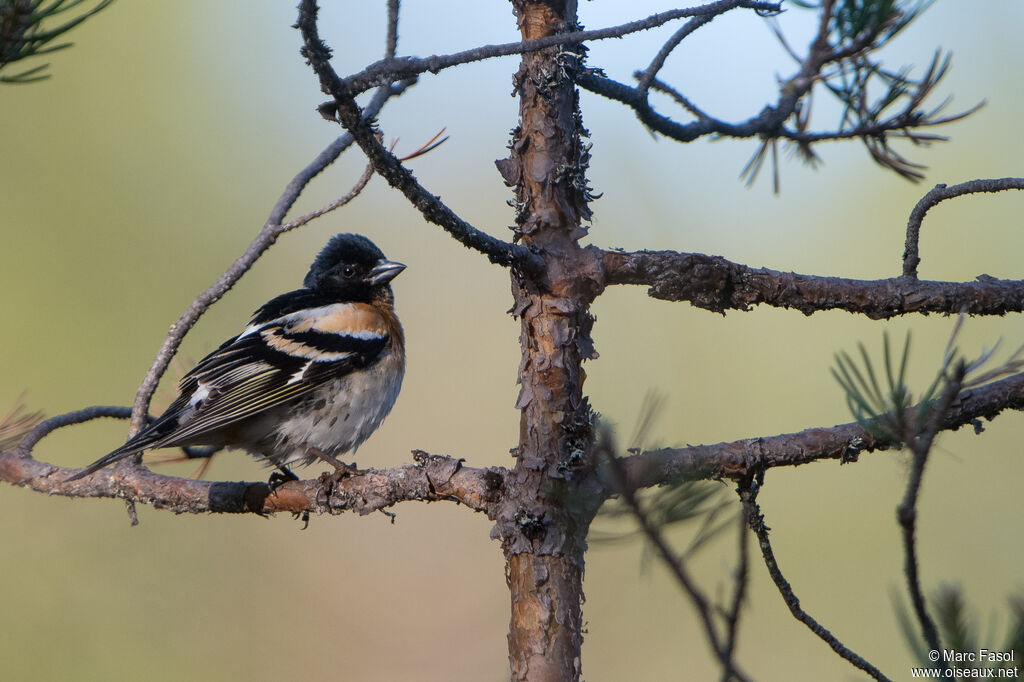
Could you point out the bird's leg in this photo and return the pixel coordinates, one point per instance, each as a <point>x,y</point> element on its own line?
<point>341,470</point>
<point>279,478</point>
<point>328,481</point>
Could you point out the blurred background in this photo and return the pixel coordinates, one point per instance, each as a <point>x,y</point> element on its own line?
<point>143,167</point>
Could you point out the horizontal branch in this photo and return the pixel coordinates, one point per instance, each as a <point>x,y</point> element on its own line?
<point>717,284</point>
<point>844,442</point>
<point>388,70</point>
<point>430,478</point>
<point>444,478</point>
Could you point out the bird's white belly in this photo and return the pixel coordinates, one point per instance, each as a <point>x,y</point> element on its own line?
<point>338,417</point>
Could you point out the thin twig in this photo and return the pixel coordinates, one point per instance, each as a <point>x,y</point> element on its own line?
<point>389,167</point>
<point>48,426</point>
<point>755,519</point>
<point>674,563</point>
<point>388,70</point>
<point>770,123</point>
<point>391,42</point>
<point>266,237</point>
<point>647,76</point>
<point>337,203</point>
<point>732,616</point>
<point>680,99</point>
<point>906,512</point>
<point>911,255</point>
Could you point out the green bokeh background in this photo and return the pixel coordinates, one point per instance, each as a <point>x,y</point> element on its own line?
<point>135,175</point>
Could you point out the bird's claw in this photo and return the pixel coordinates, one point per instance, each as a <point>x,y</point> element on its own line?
<point>329,481</point>
<point>279,478</point>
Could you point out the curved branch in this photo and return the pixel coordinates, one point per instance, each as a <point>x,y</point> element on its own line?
<point>266,237</point>
<point>768,121</point>
<point>647,76</point>
<point>755,519</point>
<point>387,70</point>
<point>911,256</point>
<point>717,284</point>
<point>704,608</point>
<point>387,165</point>
<point>863,119</point>
<point>430,478</point>
<point>844,442</point>
<point>906,512</point>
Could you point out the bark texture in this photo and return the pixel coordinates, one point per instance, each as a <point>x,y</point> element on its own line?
<point>542,532</point>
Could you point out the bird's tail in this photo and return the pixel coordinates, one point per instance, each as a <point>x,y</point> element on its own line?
<point>134,446</point>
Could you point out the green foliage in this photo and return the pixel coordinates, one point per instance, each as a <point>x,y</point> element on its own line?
<point>879,105</point>
<point>885,18</point>
<point>23,33</point>
<point>678,504</point>
<point>884,413</point>
<point>958,630</point>
<point>888,411</point>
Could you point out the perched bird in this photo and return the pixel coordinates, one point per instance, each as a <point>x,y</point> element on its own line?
<point>312,376</point>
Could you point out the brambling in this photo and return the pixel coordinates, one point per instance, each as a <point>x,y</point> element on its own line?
<point>311,377</point>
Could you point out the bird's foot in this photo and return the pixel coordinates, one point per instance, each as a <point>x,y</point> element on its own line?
<point>329,480</point>
<point>280,477</point>
<point>302,516</point>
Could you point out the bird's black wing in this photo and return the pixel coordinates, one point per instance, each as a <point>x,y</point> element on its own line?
<point>268,364</point>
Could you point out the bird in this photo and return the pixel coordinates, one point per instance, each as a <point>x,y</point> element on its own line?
<point>311,377</point>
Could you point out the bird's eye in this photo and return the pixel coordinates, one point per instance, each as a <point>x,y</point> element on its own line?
<point>349,271</point>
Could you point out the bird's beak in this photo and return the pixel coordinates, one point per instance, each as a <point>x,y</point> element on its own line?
<point>385,271</point>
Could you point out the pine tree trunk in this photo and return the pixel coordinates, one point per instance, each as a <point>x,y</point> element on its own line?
<point>543,529</point>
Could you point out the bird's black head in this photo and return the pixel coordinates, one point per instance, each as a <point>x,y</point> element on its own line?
<point>351,267</point>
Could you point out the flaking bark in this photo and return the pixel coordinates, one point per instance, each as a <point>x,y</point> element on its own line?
<point>542,535</point>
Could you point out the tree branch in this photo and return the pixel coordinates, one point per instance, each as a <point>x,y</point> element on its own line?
<point>386,164</point>
<point>717,284</point>
<point>723,651</point>
<point>430,478</point>
<point>844,442</point>
<point>646,77</point>
<point>864,119</point>
<point>388,70</point>
<point>740,579</point>
<point>911,255</point>
<point>906,512</point>
<point>391,42</point>
<point>767,122</point>
<point>748,495</point>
